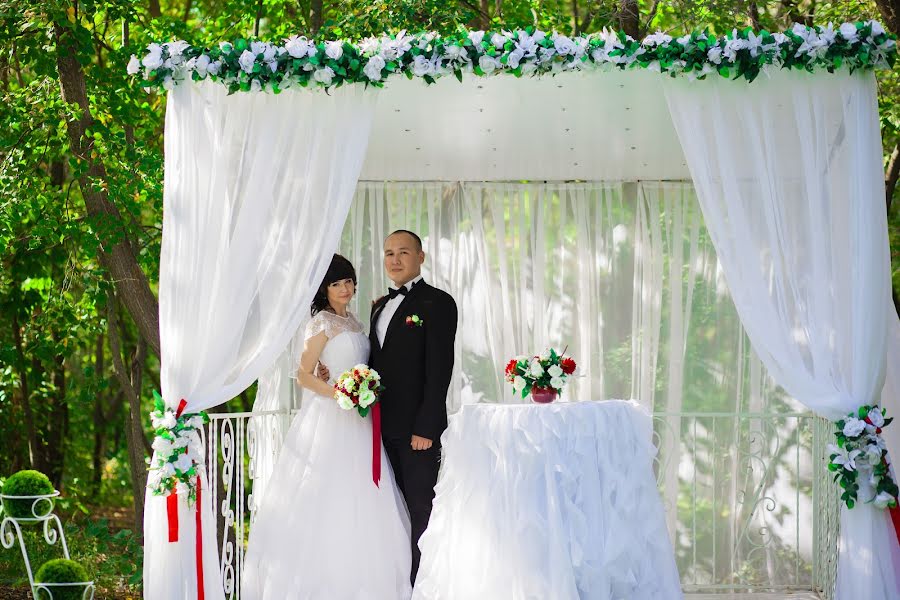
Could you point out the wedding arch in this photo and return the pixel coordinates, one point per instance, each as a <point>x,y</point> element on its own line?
<point>270,147</point>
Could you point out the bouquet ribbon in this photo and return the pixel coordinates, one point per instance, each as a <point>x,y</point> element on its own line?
<point>376,443</point>
<point>172,514</point>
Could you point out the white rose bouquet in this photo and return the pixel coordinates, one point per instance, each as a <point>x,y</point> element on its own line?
<point>359,388</point>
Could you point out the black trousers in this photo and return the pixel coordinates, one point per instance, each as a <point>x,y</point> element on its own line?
<point>416,472</point>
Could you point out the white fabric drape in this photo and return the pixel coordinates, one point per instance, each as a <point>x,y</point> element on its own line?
<point>788,174</point>
<point>257,190</point>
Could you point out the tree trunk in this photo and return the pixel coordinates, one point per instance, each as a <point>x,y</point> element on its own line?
<point>629,18</point>
<point>116,255</point>
<point>890,178</point>
<point>890,14</point>
<point>99,423</point>
<point>316,16</point>
<point>153,8</point>
<point>130,384</point>
<point>30,431</point>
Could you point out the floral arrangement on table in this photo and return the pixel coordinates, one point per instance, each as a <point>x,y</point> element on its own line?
<point>542,376</point>
<point>860,459</point>
<point>178,450</point>
<point>253,65</point>
<point>359,389</point>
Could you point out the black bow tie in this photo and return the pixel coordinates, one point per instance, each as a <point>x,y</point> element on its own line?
<point>394,293</point>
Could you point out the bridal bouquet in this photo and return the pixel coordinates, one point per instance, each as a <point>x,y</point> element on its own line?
<point>541,376</point>
<point>358,388</point>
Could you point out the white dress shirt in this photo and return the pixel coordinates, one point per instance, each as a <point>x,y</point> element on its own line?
<point>387,313</point>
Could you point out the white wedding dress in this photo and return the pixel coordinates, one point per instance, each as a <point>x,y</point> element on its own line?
<point>324,531</point>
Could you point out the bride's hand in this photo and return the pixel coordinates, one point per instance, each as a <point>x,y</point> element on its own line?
<point>322,372</point>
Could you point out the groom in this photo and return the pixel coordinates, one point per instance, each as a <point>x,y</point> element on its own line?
<point>412,332</point>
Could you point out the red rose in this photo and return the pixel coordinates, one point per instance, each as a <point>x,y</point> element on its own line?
<point>567,365</point>
<point>511,367</point>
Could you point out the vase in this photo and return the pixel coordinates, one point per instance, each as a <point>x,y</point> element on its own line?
<point>543,395</point>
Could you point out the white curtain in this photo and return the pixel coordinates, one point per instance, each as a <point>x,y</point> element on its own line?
<point>256,192</point>
<point>788,174</point>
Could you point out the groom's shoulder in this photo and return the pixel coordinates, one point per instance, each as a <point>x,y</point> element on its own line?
<point>439,296</point>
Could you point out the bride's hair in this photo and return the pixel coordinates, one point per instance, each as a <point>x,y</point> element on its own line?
<point>340,268</point>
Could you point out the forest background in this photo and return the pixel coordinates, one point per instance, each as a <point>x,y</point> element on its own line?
<point>81,149</point>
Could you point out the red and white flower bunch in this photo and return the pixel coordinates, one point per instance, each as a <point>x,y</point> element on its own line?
<point>359,388</point>
<point>549,370</point>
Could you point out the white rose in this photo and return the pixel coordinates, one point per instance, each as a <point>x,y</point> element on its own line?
<point>518,384</point>
<point>877,29</point>
<point>883,500</point>
<point>182,441</point>
<point>373,68</point>
<point>422,66</point>
<point>369,46</point>
<point>513,59</point>
<point>536,370</point>
<point>134,65</point>
<point>214,67</point>
<point>324,76</point>
<point>853,427</point>
<point>849,32</point>
<point>247,60</point>
<point>876,417</point>
<point>153,59</point>
<point>297,46</point>
<point>556,383</point>
<point>563,45</point>
<point>162,446</point>
<point>488,64</point>
<point>176,49</point>
<point>168,420</point>
<point>366,398</point>
<point>167,470</point>
<point>555,371</point>
<point>183,463</point>
<point>334,50</point>
<point>499,41</point>
<point>182,489</point>
<point>714,55</point>
<point>476,37</point>
<point>344,401</point>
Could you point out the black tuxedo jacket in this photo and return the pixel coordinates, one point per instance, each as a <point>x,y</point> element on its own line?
<point>415,363</point>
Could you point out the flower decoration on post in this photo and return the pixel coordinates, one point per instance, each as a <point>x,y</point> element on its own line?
<point>252,65</point>
<point>414,321</point>
<point>541,376</point>
<point>860,459</point>
<point>178,450</point>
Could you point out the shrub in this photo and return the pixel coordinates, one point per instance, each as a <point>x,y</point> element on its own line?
<point>26,483</point>
<point>61,570</point>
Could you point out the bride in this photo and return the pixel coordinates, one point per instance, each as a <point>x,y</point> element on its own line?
<point>324,531</point>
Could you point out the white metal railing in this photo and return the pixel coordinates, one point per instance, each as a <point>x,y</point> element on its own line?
<point>749,502</point>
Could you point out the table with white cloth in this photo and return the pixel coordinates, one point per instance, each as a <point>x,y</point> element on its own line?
<point>553,501</point>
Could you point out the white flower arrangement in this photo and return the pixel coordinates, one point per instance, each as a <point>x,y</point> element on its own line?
<point>178,451</point>
<point>300,62</point>
<point>860,459</point>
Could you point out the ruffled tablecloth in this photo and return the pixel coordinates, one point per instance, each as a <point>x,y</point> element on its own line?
<point>548,502</point>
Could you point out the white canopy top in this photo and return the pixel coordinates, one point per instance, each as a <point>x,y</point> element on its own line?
<point>574,126</point>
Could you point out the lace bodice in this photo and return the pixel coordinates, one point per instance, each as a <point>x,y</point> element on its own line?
<point>332,324</point>
<point>344,352</point>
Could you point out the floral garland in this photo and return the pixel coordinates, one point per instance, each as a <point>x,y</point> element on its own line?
<point>249,65</point>
<point>178,451</point>
<point>860,459</point>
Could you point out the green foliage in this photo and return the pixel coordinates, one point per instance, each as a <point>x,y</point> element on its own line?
<point>61,570</point>
<point>26,483</point>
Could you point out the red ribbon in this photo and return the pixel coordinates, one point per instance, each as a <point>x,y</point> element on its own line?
<point>376,443</point>
<point>199,547</point>
<point>172,512</point>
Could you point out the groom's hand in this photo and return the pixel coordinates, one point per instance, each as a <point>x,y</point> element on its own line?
<point>420,443</point>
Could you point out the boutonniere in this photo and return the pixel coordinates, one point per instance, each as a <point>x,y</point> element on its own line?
<point>414,321</point>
